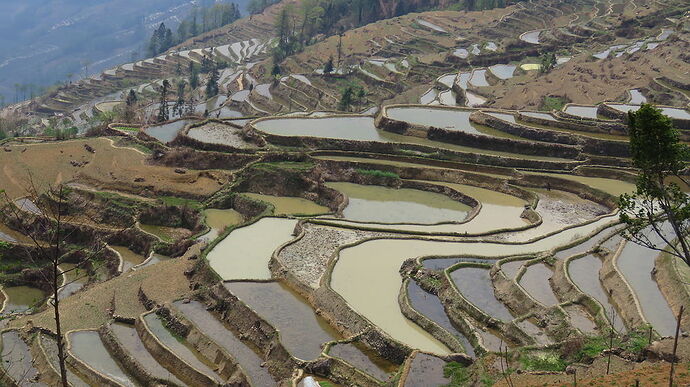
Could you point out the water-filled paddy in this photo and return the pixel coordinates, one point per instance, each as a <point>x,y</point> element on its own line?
<point>218,220</point>
<point>367,276</point>
<point>180,348</point>
<point>215,133</point>
<point>285,205</point>
<point>610,186</point>
<point>671,112</point>
<point>450,119</point>
<point>129,257</point>
<point>426,370</point>
<point>88,347</point>
<point>535,281</point>
<point>636,263</point>
<point>22,298</point>
<point>302,331</point>
<point>249,360</point>
<point>364,358</point>
<point>544,116</point>
<point>580,319</point>
<point>127,336</point>
<point>370,203</point>
<point>479,78</point>
<point>503,71</point>
<point>582,111</point>
<point>430,306</point>
<point>475,285</point>
<point>17,360</point>
<point>531,37</point>
<point>75,279</point>
<point>361,128</point>
<point>246,251</point>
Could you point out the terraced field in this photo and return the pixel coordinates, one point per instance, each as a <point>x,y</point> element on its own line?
<point>277,241</point>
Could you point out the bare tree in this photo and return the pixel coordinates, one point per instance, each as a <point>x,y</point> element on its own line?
<point>50,219</point>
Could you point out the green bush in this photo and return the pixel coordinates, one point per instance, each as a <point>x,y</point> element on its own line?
<point>377,173</point>
<point>542,362</point>
<point>457,373</point>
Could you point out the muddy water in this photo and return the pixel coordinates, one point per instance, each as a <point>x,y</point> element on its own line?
<point>580,319</point>
<point>426,370</point>
<point>610,186</point>
<point>363,129</point>
<point>585,274</point>
<point>531,37</point>
<point>367,276</point>
<point>449,119</point>
<point>17,360</point>
<point>636,264</point>
<point>430,306</point>
<point>474,100</point>
<point>534,332</point>
<point>22,298</point>
<point>51,352</point>
<point>491,341</point>
<point>544,116</point>
<point>510,269</point>
<point>636,97</point>
<point>301,330</point>
<point>535,281</point>
<point>180,347</point>
<point>75,279</point>
<point>475,285</point>
<point>365,359</point>
<point>249,360</point>
<point>290,205</point>
<point>586,245</point>
<point>370,203</point>
<point>479,78</point>
<point>129,257</point>
<point>153,259</point>
<point>130,340</point>
<point>218,220</point>
<point>444,263</point>
<point>246,251</point>
<point>167,132</point>
<point>671,112</point>
<point>88,347</point>
<point>499,211</point>
<point>582,111</point>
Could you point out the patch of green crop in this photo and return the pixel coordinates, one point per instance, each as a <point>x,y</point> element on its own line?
<point>181,202</point>
<point>127,128</point>
<point>457,373</point>
<point>542,362</point>
<point>378,173</point>
<point>553,103</point>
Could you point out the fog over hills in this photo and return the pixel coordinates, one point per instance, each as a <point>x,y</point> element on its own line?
<point>53,38</point>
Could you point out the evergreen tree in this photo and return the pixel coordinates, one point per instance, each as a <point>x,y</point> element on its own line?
<point>346,99</point>
<point>163,113</point>
<point>212,84</point>
<point>276,71</point>
<point>179,104</point>
<point>328,67</point>
<point>193,75</point>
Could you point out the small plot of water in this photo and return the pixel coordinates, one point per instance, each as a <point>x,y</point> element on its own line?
<point>249,360</point>
<point>129,257</point>
<point>25,204</point>
<point>531,37</point>
<point>479,78</point>
<point>22,298</point>
<point>475,285</point>
<point>302,331</point>
<point>544,116</point>
<point>447,98</point>
<point>534,332</point>
<point>582,111</point>
<point>154,259</point>
<point>585,274</point>
<point>128,337</point>
<point>510,269</point>
<point>610,186</point>
<point>580,319</point>
<point>75,279</point>
<point>636,264</point>
<point>167,132</point>
<point>535,281</point>
<point>428,97</point>
<point>444,263</point>
<point>431,26</point>
<point>491,341</point>
<point>447,80</point>
<point>364,358</point>
<point>450,119</point>
<point>430,306</point>
<point>218,220</point>
<point>461,53</point>
<point>370,203</point>
<point>426,370</point>
<point>17,360</point>
<point>462,80</point>
<point>290,205</point>
<point>246,251</point>
<point>50,349</point>
<point>503,71</point>
<point>474,100</point>
<point>180,348</point>
<point>671,112</point>
<point>586,245</point>
<point>214,133</point>
<point>636,97</point>
<point>503,116</point>
<point>88,347</point>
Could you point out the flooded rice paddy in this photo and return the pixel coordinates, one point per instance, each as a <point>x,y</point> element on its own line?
<point>535,281</point>
<point>21,299</point>
<point>88,347</point>
<point>167,132</point>
<point>246,251</point>
<point>364,359</point>
<point>129,257</point>
<point>218,220</point>
<point>302,331</point>
<point>17,361</point>
<point>475,285</point>
<point>370,203</point>
<point>284,205</point>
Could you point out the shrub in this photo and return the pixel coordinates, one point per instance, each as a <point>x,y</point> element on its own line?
<point>457,373</point>
<point>542,362</point>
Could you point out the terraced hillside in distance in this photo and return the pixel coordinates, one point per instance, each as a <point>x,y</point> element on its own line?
<point>427,197</point>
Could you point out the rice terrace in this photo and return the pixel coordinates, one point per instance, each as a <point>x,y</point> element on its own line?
<point>354,193</point>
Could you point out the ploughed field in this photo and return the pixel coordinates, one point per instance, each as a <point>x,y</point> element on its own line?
<point>460,218</point>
